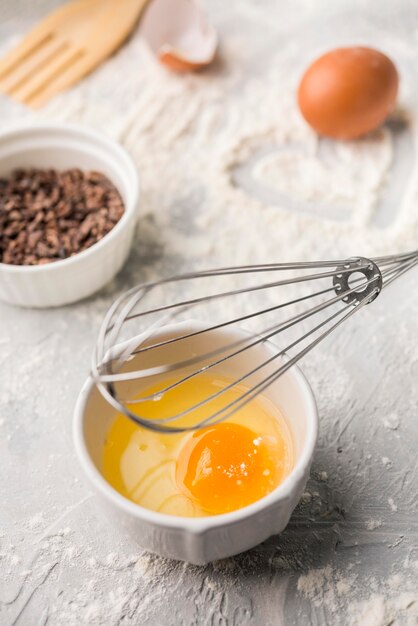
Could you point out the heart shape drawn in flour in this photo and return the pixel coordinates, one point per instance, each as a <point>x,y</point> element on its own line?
<point>361,181</point>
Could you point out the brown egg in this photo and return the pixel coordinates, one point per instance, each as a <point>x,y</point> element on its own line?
<point>348,92</point>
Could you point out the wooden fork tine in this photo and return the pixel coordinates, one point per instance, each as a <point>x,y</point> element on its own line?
<point>78,70</point>
<point>66,46</point>
<point>39,35</point>
<point>35,40</point>
<point>27,68</point>
<point>46,76</point>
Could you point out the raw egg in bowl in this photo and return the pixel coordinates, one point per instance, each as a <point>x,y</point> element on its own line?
<point>205,494</point>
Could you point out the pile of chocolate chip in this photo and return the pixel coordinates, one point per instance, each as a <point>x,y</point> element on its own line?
<point>46,215</point>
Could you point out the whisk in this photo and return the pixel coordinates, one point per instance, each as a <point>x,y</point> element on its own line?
<point>172,351</point>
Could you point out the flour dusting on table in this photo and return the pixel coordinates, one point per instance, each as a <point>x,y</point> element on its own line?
<point>230,174</point>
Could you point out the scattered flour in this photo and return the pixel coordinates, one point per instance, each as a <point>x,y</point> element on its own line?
<point>392,504</point>
<point>36,521</point>
<point>380,610</point>
<point>306,497</point>
<point>328,590</point>
<point>392,422</point>
<point>372,524</point>
<point>302,172</point>
<point>320,198</point>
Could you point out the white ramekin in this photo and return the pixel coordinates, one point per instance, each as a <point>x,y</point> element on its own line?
<point>63,146</point>
<point>200,540</point>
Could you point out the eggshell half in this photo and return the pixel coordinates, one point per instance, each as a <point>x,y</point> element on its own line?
<point>179,34</point>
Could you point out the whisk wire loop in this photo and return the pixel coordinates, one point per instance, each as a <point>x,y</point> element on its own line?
<point>142,358</point>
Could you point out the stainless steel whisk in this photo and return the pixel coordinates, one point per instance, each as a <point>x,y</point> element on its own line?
<point>125,361</point>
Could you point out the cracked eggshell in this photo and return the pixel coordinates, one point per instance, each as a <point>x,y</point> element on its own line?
<point>179,34</point>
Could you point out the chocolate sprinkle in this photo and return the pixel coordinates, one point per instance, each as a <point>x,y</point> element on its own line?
<point>46,215</point>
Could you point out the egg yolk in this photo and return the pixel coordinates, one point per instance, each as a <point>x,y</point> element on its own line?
<point>226,467</point>
<point>218,469</point>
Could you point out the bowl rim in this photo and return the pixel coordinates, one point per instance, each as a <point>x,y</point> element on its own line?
<point>201,525</point>
<point>114,152</point>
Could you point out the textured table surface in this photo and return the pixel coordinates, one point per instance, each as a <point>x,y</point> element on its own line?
<point>212,150</point>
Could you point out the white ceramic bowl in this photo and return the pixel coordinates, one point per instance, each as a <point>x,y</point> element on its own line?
<point>63,146</point>
<point>204,539</point>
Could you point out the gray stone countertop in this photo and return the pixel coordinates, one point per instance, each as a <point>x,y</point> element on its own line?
<point>349,555</point>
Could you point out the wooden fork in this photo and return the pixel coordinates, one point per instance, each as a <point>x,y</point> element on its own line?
<point>68,44</point>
